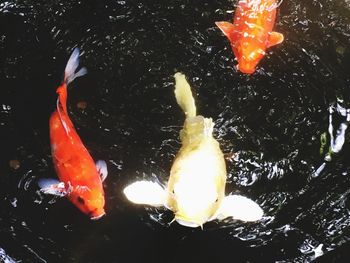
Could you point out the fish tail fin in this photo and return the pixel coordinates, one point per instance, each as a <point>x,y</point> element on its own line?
<point>228,29</point>
<point>70,72</point>
<point>184,95</point>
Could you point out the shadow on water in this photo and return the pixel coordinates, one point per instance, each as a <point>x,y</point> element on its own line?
<point>274,124</point>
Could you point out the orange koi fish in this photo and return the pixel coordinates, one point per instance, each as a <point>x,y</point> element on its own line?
<point>251,32</point>
<point>80,178</point>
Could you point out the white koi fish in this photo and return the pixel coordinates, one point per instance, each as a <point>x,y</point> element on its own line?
<point>196,186</point>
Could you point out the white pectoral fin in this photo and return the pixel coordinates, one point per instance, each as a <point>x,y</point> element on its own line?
<point>52,187</point>
<point>101,167</point>
<point>146,192</point>
<point>240,208</point>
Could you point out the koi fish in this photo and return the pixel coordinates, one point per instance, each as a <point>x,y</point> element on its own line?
<point>80,178</point>
<point>251,32</point>
<point>195,190</point>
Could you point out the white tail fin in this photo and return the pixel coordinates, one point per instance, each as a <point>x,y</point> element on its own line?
<point>72,65</point>
<point>239,207</point>
<point>184,96</point>
<point>146,192</point>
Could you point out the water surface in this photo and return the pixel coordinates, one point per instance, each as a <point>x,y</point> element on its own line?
<point>271,123</point>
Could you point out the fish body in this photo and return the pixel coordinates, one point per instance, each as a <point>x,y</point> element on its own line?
<point>195,190</point>
<point>80,178</point>
<point>197,179</point>
<point>252,32</point>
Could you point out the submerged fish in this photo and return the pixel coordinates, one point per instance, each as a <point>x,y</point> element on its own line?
<point>80,178</point>
<point>251,32</point>
<point>196,186</point>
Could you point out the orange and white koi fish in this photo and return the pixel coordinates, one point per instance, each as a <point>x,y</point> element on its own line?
<point>196,187</point>
<point>251,32</point>
<point>80,178</point>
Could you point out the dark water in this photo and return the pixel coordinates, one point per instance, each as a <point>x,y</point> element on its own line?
<point>273,121</point>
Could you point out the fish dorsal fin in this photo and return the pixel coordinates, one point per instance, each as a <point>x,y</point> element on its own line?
<point>184,96</point>
<point>275,38</point>
<point>228,29</point>
<point>240,208</point>
<point>208,127</point>
<point>59,108</point>
<point>196,129</point>
<point>146,192</point>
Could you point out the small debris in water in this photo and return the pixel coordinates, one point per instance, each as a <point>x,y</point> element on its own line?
<point>14,164</point>
<point>82,105</point>
<point>230,156</point>
<point>340,50</point>
<point>14,202</point>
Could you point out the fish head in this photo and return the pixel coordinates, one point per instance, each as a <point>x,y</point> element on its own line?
<point>248,54</point>
<point>89,200</point>
<point>195,204</point>
<point>196,186</point>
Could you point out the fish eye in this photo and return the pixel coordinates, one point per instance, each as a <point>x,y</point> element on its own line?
<point>217,199</point>
<point>81,200</point>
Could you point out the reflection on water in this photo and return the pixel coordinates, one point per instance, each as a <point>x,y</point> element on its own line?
<point>271,126</point>
<point>5,258</point>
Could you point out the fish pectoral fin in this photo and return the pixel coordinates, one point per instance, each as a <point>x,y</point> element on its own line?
<point>228,29</point>
<point>53,187</point>
<point>275,38</point>
<point>240,208</point>
<point>146,192</point>
<point>101,167</point>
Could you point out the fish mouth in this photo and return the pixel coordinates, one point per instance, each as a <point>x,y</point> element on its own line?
<point>245,69</point>
<point>187,223</point>
<point>95,218</point>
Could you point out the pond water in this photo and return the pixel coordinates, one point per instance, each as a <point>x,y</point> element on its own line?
<point>285,127</point>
